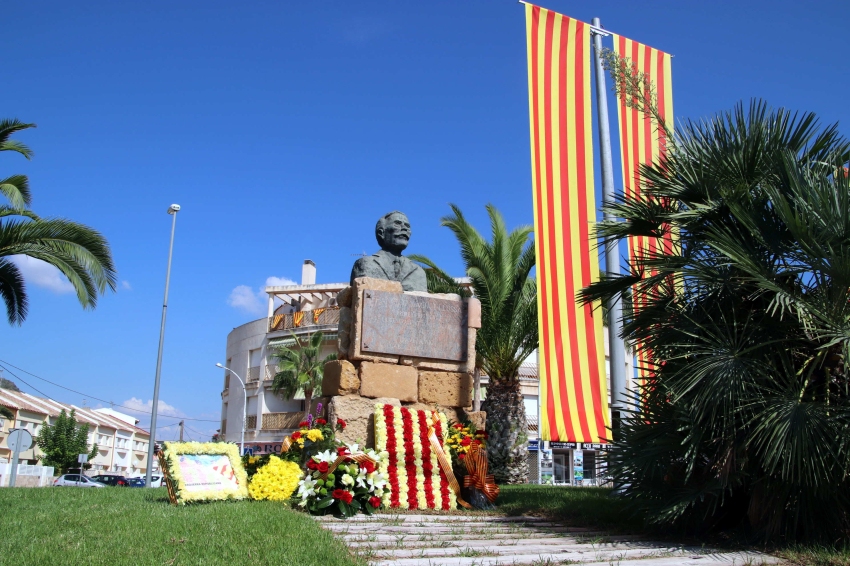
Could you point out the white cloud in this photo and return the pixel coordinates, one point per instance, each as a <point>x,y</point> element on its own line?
<point>246,299</point>
<point>253,301</point>
<point>279,282</point>
<point>126,285</point>
<point>137,406</point>
<point>42,274</point>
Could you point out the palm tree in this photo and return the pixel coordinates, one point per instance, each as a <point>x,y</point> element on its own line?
<point>500,274</point>
<point>300,369</point>
<point>79,252</point>
<point>746,418</point>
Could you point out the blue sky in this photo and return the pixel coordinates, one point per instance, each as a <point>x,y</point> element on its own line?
<point>285,129</point>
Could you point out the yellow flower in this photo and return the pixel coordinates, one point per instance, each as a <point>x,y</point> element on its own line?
<point>276,480</point>
<point>315,435</point>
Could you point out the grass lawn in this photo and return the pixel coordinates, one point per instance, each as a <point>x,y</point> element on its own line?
<point>573,506</point>
<point>68,525</point>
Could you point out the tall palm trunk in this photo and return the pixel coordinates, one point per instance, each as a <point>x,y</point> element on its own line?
<point>507,449</point>
<point>308,402</point>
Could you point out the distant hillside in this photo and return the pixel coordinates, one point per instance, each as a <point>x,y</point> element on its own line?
<point>7,384</point>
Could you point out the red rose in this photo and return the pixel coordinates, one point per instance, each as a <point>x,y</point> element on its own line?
<point>466,441</point>
<point>304,424</point>
<point>323,467</point>
<point>311,464</point>
<point>369,466</point>
<point>341,424</point>
<point>457,426</point>
<point>461,456</point>
<point>296,435</point>
<point>375,501</point>
<point>321,422</point>
<point>343,495</point>
<point>341,450</point>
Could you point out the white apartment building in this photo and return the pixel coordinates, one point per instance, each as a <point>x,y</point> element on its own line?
<point>121,446</point>
<point>293,311</point>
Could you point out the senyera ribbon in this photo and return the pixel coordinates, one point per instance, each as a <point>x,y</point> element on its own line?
<point>477,476</point>
<point>446,466</point>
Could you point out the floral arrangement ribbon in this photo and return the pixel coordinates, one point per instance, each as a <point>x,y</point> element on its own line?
<point>446,466</point>
<point>477,476</point>
<point>360,457</point>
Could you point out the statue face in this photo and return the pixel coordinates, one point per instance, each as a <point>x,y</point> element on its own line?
<point>395,234</point>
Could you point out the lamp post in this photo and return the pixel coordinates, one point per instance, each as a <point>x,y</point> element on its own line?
<point>244,406</point>
<point>172,210</point>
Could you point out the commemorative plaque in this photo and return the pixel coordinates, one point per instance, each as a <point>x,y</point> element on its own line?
<point>414,325</point>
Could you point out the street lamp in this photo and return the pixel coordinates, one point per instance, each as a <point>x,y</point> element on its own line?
<point>172,210</point>
<point>244,406</point>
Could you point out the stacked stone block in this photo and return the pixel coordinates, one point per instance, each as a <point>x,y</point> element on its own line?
<point>359,378</point>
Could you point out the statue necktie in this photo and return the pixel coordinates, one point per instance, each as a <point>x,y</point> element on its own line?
<point>397,267</point>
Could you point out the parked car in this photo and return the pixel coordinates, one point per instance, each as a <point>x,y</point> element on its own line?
<point>76,480</point>
<point>156,481</point>
<point>119,481</point>
<point>136,482</point>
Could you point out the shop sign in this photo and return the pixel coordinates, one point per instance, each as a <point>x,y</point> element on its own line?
<point>533,445</point>
<point>261,449</point>
<point>564,445</point>
<point>597,446</point>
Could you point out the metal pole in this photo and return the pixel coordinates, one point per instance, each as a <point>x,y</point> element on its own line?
<point>539,423</point>
<point>181,431</point>
<point>616,347</point>
<point>244,406</point>
<point>173,212</point>
<point>16,454</point>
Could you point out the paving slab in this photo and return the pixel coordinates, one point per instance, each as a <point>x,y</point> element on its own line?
<point>479,540</point>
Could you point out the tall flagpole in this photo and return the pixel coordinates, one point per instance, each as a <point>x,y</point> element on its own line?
<point>616,347</point>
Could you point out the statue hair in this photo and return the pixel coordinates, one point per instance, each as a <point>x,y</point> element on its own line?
<point>382,221</point>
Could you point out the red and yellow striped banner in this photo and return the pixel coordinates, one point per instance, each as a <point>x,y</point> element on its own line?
<point>573,388</point>
<point>642,141</point>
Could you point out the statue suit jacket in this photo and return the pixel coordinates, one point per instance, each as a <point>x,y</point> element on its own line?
<point>380,266</point>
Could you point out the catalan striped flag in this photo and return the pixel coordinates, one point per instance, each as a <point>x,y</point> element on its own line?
<point>642,141</point>
<point>573,389</point>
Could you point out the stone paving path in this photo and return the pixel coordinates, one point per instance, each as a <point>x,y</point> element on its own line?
<point>476,540</point>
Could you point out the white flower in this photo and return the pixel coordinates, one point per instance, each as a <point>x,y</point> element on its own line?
<point>347,479</point>
<point>376,480</point>
<point>306,488</point>
<point>352,448</point>
<point>326,456</point>
<point>361,478</point>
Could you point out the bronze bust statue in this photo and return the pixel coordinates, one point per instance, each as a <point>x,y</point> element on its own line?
<point>393,233</point>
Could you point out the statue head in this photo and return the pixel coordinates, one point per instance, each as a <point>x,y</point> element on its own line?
<point>393,232</point>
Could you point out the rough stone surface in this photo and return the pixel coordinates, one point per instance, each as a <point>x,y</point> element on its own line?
<point>340,378</point>
<point>450,389</point>
<point>478,419</point>
<point>343,298</point>
<point>410,324</point>
<point>473,312</point>
<point>389,380</point>
<point>358,414</point>
<point>374,284</point>
<point>356,326</point>
<point>453,414</point>
<point>314,404</point>
<point>344,331</point>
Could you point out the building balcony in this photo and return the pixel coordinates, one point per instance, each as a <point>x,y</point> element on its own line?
<point>314,319</point>
<point>281,421</point>
<point>251,422</point>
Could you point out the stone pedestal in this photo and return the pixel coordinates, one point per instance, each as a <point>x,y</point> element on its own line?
<point>413,349</point>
